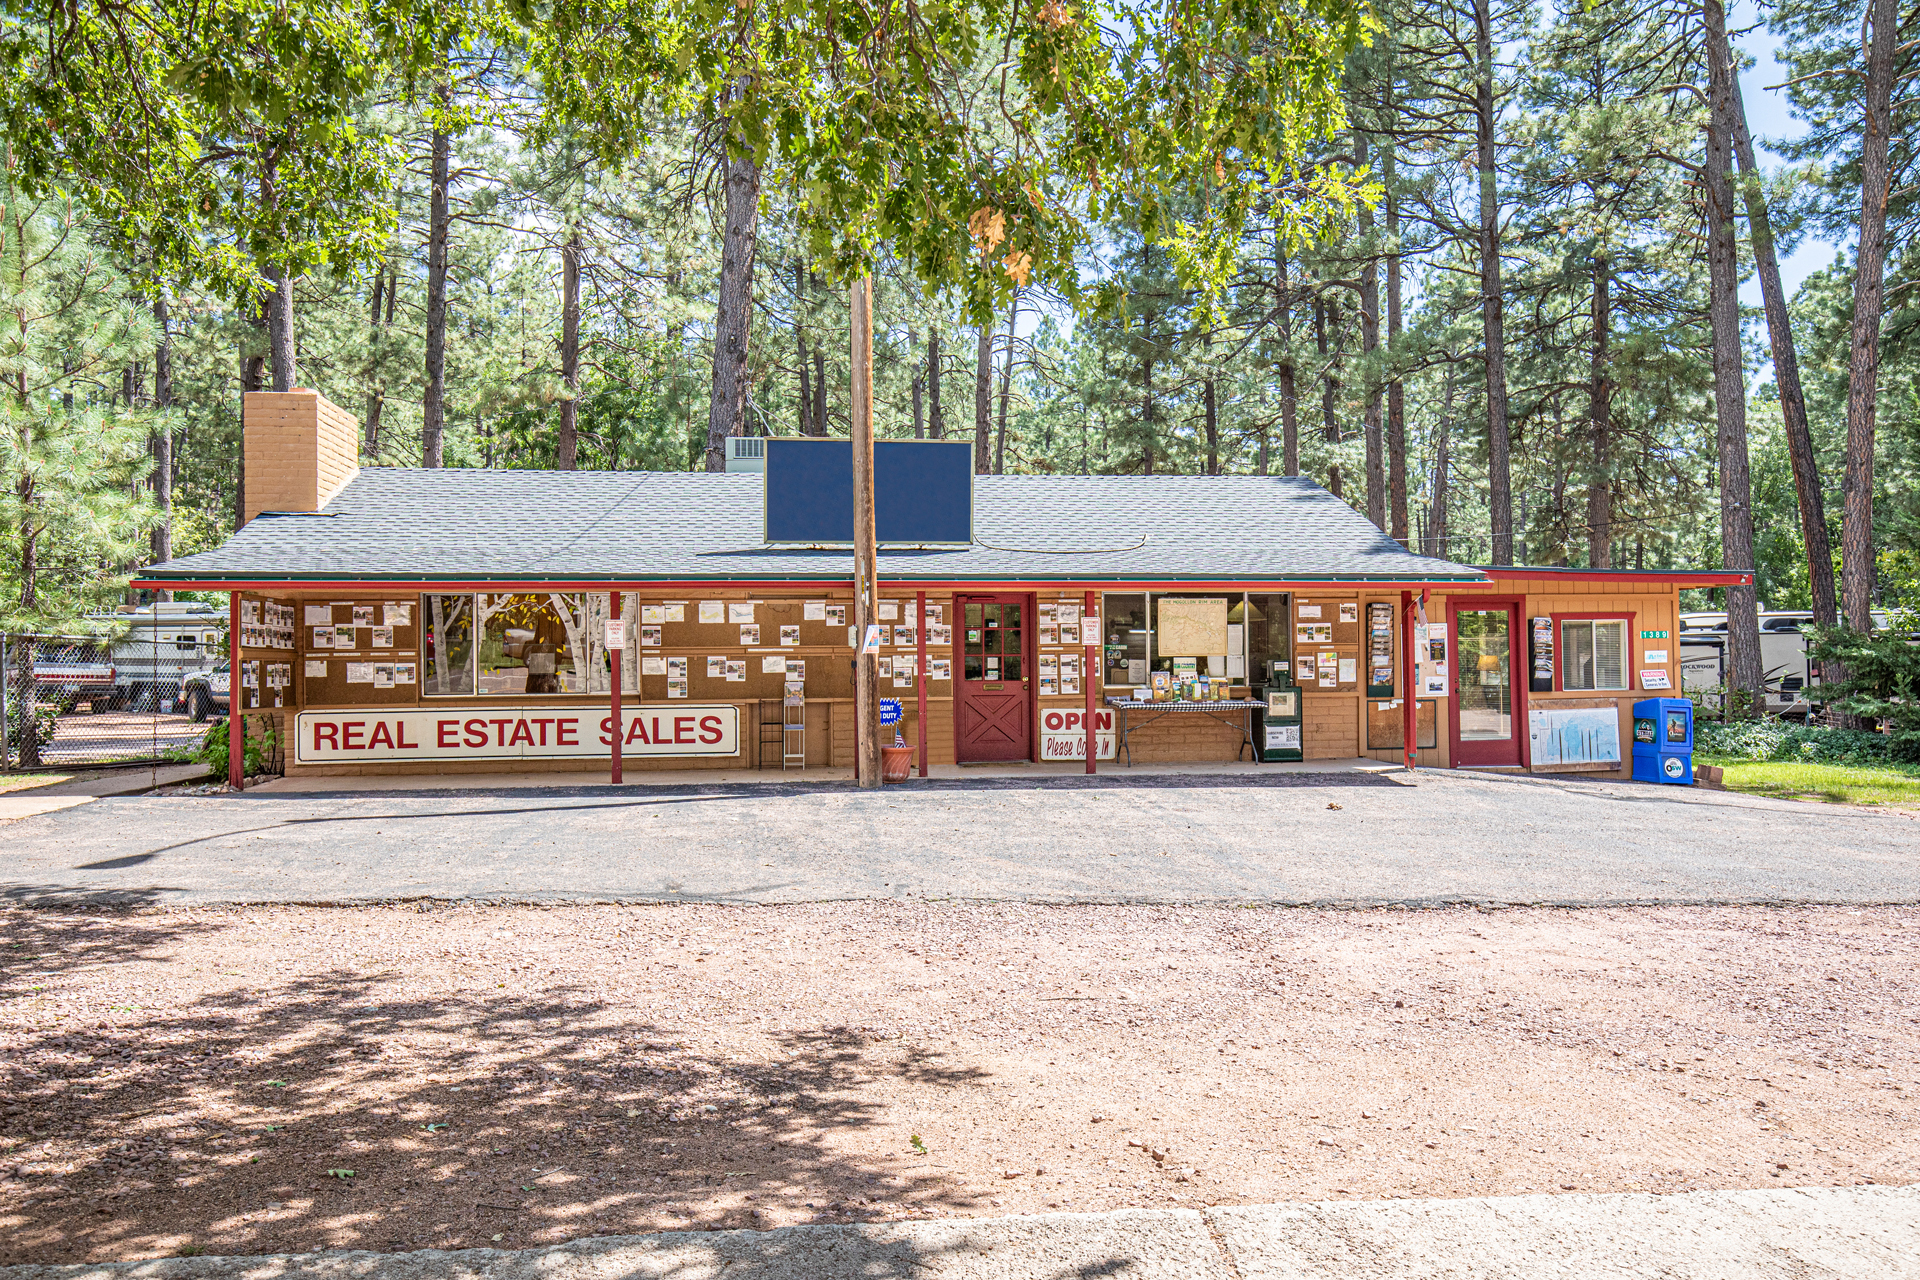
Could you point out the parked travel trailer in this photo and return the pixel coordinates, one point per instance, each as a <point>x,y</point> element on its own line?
<point>1783,656</point>
<point>156,646</point>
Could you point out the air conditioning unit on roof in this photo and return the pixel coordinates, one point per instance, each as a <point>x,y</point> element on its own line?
<point>746,453</point>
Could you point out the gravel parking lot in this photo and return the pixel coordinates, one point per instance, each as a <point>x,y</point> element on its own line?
<point>256,1079</point>
<point>1432,837</point>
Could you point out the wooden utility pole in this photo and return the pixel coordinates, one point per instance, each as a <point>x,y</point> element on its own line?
<point>866,694</point>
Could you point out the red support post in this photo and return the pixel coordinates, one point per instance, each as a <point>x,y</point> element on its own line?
<point>1410,708</point>
<point>1091,676</point>
<point>236,751</point>
<point>920,669</point>
<point>619,660</point>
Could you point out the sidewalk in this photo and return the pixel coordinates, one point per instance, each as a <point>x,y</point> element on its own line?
<point>804,777</point>
<point>1862,1233</point>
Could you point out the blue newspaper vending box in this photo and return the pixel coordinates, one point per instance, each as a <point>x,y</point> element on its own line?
<point>1663,740</point>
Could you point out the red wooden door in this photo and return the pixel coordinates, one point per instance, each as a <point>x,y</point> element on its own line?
<point>992,716</point>
<point>1487,715</point>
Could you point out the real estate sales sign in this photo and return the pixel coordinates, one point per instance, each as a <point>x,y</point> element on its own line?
<point>514,733</point>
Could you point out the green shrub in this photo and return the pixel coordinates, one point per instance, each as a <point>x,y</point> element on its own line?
<point>1882,682</point>
<point>1781,742</point>
<point>256,748</point>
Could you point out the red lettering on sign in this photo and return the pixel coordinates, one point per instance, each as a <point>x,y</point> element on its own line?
<point>479,728</point>
<point>606,731</point>
<point>349,730</point>
<point>500,732</point>
<point>1053,722</point>
<point>400,736</point>
<point>659,738</point>
<point>442,727</point>
<point>543,730</point>
<point>331,732</point>
<point>563,731</point>
<point>382,737</point>
<point>522,731</point>
<point>683,729</point>
<point>637,732</point>
<point>711,730</point>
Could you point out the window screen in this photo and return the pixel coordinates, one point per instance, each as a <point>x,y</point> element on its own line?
<point>1593,654</point>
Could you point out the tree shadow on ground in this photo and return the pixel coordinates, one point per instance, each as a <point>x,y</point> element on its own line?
<point>320,1110</point>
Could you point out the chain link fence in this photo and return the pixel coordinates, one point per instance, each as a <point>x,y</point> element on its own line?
<point>81,701</point>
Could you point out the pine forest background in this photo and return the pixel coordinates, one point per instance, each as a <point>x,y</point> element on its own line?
<point>1518,312</point>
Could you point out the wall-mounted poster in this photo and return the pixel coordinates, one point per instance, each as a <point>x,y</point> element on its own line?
<point>1573,738</point>
<point>749,635</point>
<point>940,669</point>
<point>740,611</point>
<point>1350,612</point>
<point>836,615</point>
<point>1313,633</point>
<point>813,611</point>
<point>712,611</point>
<point>790,633</point>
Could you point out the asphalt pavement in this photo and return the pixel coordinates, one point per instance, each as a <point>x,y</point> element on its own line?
<point>1296,838</point>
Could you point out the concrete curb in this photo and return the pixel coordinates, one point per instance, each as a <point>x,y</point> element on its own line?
<point>1861,1233</point>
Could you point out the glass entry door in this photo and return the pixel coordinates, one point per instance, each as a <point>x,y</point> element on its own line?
<point>992,717</point>
<point>1486,719</point>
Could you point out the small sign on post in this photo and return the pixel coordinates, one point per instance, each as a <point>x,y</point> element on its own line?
<point>616,634</point>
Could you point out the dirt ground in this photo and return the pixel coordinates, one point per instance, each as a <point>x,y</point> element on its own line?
<point>254,1080</point>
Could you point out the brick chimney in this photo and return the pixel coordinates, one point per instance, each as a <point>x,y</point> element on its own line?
<point>301,449</point>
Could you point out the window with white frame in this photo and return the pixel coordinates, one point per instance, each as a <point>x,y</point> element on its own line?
<point>1593,653</point>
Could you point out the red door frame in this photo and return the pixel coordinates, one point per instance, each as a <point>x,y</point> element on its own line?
<point>1517,672</point>
<point>1029,684</point>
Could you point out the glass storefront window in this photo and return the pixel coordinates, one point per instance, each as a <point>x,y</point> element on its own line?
<point>1267,634</point>
<point>547,643</point>
<point>1125,619</point>
<point>446,644</point>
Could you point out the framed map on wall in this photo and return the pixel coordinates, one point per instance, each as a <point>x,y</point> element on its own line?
<point>1190,628</point>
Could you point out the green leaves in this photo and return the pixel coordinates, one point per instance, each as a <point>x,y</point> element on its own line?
<point>896,123</point>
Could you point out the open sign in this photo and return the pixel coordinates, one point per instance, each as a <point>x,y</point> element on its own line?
<point>1063,734</point>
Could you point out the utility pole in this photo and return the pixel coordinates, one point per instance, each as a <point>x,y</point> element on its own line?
<point>866,695</point>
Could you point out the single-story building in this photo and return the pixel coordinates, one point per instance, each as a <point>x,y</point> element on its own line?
<point>403,620</point>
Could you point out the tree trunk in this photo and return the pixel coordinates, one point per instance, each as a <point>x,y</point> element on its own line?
<point>280,329</point>
<point>1437,524</point>
<point>1492,304</point>
<point>983,402</point>
<point>1006,389</point>
<point>433,407</point>
<point>1863,365</point>
<point>376,386</point>
<point>1213,428</point>
<point>819,391</point>
<point>253,373</point>
<point>1330,379</point>
<point>567,456</point>
<point>163,438</point>
<point>1786,371</point>
<point>919,387</point>
<point>936,425</point>
<point>1146,414</point>
<point>1729,373</point>
<point>805,398</point>
<point>1333,481</point>
<point>1396,392</point>
<point>1599,424</point>
<point>1289,391</point>
<point>733,317</point>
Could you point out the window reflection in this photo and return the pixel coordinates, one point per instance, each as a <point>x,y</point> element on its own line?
<point>547,643</point>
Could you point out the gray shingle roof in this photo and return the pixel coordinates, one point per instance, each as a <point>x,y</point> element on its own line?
<point>409,524</point>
